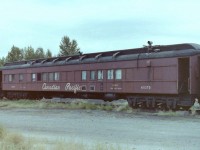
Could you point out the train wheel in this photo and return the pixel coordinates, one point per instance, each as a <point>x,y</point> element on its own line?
<point>132,102</point>
<point>153,104</point>
<point>174,105</point>
<point>186,108</point>
<point>161,106</point>
<point>148,104</point>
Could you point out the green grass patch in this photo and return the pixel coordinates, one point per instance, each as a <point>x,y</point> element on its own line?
<point>77,104</point>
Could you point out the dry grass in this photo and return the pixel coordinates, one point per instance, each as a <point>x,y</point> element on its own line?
<point>77,104</point>
<point>15,141</point>
<point>12,141</point>
<point>2,132</point>
<point>71,145</point>
<point>62,145</point>
<point>120,106</point>
<point>100,146</point>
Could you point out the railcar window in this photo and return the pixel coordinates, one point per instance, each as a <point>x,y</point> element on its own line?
<point>33,77</point>
<point>11,77</point>
<point>21,77</point>
<point>57,76</point>
<point>5,78</point>
<point>84,88</point>
<point>118,74</point>
<point>51,76</point>
<point>92,88</point>
<point>84,75</point>
<point>39,78</point>
<point>92,75</point>
<point>44,76</point>
<point>110,74</point>
<point>100,74</point>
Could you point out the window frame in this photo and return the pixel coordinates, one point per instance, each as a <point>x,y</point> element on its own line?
<point>51,76</point>
<point>110,74</point>
<point>56,76</point>
<point>11,77</point>
<point>45,76</point>
<point>100,74</point>
<point>5,78</point>
<point>84,75</point>
<point>83,88</point>
<point>92,75</point>
<point>33,77</point>
<point>39,76</point>
<point>118,74</point>
<point>21,77</point>
<point>92,87</point>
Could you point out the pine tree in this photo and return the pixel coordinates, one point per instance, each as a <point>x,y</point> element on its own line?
<point>48,54</point>
<point>15,54</point>
<point>68,47</point>
<point>29,53</point>
<point>2,61</point>
<point>39,53</point>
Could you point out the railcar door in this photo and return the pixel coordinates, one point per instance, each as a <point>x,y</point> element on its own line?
<point>183,75</point>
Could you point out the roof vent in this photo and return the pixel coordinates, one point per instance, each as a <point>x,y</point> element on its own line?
<point>98,56</point>
<point>115,54</point>
<point>82,57</point>
<point>55,60</point>
<point>67,59</point>
<point>42,62</point>
<point>33,62</point>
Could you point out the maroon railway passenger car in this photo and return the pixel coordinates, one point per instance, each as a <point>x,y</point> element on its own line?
<point>150,76</point>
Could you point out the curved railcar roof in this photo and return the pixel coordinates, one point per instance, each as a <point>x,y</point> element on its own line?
<point>159,51</point>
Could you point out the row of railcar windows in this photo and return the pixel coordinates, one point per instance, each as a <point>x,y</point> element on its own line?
<point>111,74</point>
<point>55,76</point>
<point>52,76</point>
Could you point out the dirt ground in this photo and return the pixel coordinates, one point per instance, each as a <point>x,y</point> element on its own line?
<point>141,131</point>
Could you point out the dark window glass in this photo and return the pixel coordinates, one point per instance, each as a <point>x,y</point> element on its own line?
<point>92,88</point>
<point>39,77</point>
<point>83,88</point>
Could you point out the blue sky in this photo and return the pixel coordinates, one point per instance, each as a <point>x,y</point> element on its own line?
<point>97,25</point>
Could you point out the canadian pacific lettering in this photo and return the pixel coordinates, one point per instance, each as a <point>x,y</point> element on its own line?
<point>50,87</point>
<point>68,87</point>
<point>74,88</point>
